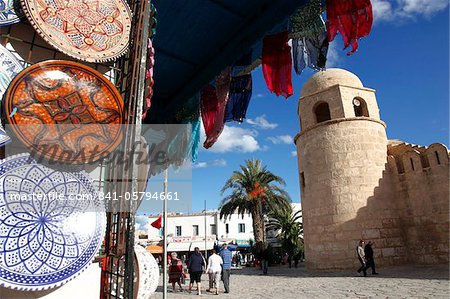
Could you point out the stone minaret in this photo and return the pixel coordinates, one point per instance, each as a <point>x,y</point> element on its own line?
<point>342,151</point>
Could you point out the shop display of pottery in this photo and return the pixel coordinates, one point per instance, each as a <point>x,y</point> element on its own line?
<point>148,273</point>
<point>8,14</point>
<point>65,112</point>
<point>47,234</point>
<point>89,30</point>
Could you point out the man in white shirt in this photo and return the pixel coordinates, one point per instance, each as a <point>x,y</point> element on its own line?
<point>214,269</point>
<point>361,257</point>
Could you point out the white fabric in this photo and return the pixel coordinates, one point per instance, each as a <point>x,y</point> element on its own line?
<point>214,264</point>
<point>361,252</point>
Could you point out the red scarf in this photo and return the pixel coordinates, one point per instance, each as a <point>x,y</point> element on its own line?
<point>352,18</point>
<point>213,103</point>
<point>277,64</point>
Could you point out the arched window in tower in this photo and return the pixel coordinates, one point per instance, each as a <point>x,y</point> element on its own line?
<point>360,107</point>
<point>322,112</point>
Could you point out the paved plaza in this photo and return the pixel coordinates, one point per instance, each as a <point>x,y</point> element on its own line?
<point>283,283</point>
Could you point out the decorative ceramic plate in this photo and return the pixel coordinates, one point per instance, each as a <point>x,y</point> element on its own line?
<point>9,68</point>
<point>48,235</point>
<point>4,138</point>
<point>148,273</point>
<point>8,15</point>
<point>65,111</point>
<point>90,30</point>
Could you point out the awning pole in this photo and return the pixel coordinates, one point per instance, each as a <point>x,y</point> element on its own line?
<point>206,249</point>
<point>166,174</point>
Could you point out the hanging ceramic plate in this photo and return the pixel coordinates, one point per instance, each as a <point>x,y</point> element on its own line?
<point>48,235</point>
<point>90,30</point>
<point>4,138</point>
<point>8,15</point>
<point>65,111</point>
<point>9,68</point>
<point>148,273</point>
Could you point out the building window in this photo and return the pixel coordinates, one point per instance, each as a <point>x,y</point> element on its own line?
<point>241,228</point>
<point>227,228</point>
<point>438,161</point>
<point>360,107</point>
<point>195,230</point>
<point>322,112</point>
<point>302,179</point>
<point>412,163</point>
<point>213,229</point>
<point>178,231</point>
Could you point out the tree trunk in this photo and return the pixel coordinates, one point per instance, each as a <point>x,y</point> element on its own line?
<point>258,227</point>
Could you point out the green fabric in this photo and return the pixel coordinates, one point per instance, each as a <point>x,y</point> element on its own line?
<point>307,21</point>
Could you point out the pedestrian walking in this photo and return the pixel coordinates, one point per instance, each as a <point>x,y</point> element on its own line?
<point>296,259</point>
<point>368,253</point>
<point>214,270</point>
<point>265,260</point>
<point>225,254</point>
<point>175,271</point>
<point>361,257</point>
<point>196,265</point>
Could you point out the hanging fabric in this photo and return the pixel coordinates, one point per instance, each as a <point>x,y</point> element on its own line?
<point>310,51</point>
<point>195,140</point>
<point>307,21</point>
<point>240,90</point>
<point>149,82</point>
<point>309,37</point>
<point>240,95</point>
<point>351,18</point>
<point>277,64</point>
<point>212,104</point>
<point>148,94</point>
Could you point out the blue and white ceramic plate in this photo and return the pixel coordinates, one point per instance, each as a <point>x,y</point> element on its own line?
<point>8,15</point>
<point>52,224</point>
<point>4,138</point>
<point>10,66</point>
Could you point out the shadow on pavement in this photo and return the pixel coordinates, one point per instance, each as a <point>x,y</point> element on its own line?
<point>437,272</point>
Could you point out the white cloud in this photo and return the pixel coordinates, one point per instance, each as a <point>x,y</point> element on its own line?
<point>214,163</point>
<point>220,163</point>
<point>262,123</point>
<point>294,153</point>
<point>259,95</point>
<point>200,165</point>
<point>236,139</point>
<point>385,10</point>
<point>281,139</point>
<point>142,223</point>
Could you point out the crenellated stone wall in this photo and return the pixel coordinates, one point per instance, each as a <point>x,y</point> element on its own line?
<point>357,185</point>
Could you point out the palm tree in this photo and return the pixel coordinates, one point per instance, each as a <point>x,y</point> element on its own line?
<point>254,190</point>
<point>290,228</point>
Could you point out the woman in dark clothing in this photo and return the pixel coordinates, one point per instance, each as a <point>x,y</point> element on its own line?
<point>196,265</point>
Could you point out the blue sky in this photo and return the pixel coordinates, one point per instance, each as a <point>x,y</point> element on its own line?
<point>405,58</point>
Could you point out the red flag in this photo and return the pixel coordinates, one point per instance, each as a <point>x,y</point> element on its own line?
<point>157,223</point>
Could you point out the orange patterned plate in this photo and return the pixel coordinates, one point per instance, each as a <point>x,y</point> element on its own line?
<point>65,111</point>
<point>90,30</point>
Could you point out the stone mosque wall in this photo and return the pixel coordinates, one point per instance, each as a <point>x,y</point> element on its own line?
<point>357,185</point>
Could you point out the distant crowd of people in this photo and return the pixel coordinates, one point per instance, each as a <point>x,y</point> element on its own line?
<point>218,269</point>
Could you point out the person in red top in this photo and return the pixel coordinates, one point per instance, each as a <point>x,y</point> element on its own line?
<point>175,271</point>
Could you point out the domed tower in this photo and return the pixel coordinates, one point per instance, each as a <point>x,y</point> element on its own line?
<point>342,151</point>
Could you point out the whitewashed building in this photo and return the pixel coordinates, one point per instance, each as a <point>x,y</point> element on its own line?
<point>187,231</point>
